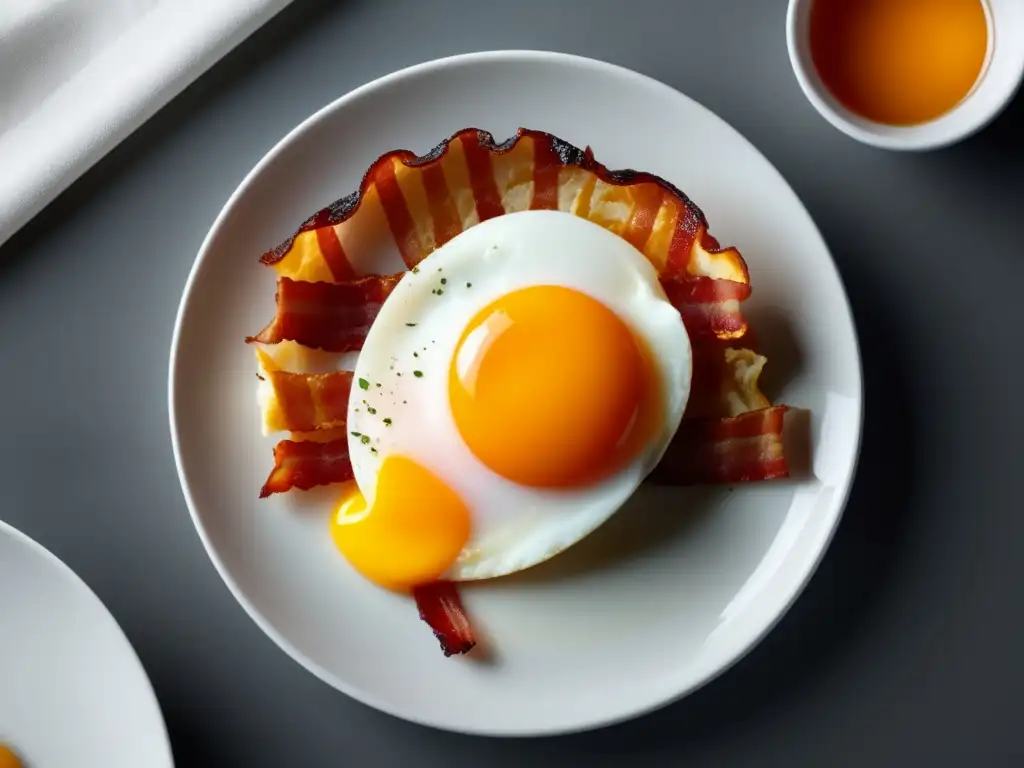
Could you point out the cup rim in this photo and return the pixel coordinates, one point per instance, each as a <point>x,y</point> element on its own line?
<point>997,84</point>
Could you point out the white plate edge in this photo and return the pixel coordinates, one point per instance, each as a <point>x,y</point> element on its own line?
<point>79,583</point>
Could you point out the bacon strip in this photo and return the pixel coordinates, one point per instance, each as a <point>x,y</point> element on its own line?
<point>730,432</point>
<point>311,401</point>
<point>447,223</point>
<point>481,174</point>
<point>337,316</point>
<point>441,608</point>
<point>734,449</point>
<point>307,464</point>
<point>646,210</point>
<point>400,222</point>
<point>546,165</point>
<point>332,316</point>
<point>651,213</point>
<point>697,289</point>
<point>710,306</point>
<point>330,247</point>
<point>724,382</point>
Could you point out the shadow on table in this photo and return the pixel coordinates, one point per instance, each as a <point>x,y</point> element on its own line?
<point>992,149</point>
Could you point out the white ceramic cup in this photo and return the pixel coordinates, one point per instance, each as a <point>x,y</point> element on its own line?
<point>996,85</point>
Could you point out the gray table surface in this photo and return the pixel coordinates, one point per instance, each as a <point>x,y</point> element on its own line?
<point>904,646</point>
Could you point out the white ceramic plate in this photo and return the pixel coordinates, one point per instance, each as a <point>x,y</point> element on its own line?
<point>678,585</point>
<point>72,690</point>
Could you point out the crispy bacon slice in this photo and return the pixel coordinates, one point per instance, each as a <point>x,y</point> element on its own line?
<point>468,178</point>
<point>306,464</point>
<point>710,306</point>
<point>730,432</point>
<point>412,205</point>
<point>441,608</point>
<point>732,449</point>
<point>332,316</point>
<point>310,401</point>
<point>303,402</point>
<point>711,442</point>
<point>337,316</point>
<point>415,204</point>
<point>725,381</point>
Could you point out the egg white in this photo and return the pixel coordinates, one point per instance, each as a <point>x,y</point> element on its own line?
<point>404,366</point>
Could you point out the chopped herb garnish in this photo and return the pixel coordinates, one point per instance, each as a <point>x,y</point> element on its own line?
<point>444,281</point>
<point>357,434</point>
<point>373,450</point>
<point>434,291</point>
<point>438,269</point>
<point>415,354</point>
<point>415,270</point>
<point>469,285</point>
<point>371,411</point>
<point>364,439</point>
<point>405,402</point>
<point>418,374</point>
<point>378,385</point>
<point>440,291</point>
<point>410,325</point>
<point>387,422</point>
<point>364,384</point>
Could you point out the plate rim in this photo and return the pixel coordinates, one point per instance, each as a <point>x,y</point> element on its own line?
<point>76,582</point>
<point>515,56</point>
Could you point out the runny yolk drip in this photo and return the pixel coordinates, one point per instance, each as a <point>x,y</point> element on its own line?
<point>411,534</point>
<point>900,62</point>
<point>549,388</point>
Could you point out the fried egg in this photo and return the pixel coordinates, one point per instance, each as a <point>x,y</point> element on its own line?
<point>513,392</point>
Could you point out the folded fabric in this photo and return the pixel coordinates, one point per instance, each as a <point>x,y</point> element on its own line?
<point>77,76</point>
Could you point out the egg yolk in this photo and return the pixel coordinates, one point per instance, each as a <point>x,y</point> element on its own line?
<point>411,534</point>
<point>549,388</point>
<point>8,759</point>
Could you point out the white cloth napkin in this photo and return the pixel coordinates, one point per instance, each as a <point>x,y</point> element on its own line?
<point>77,76</point>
